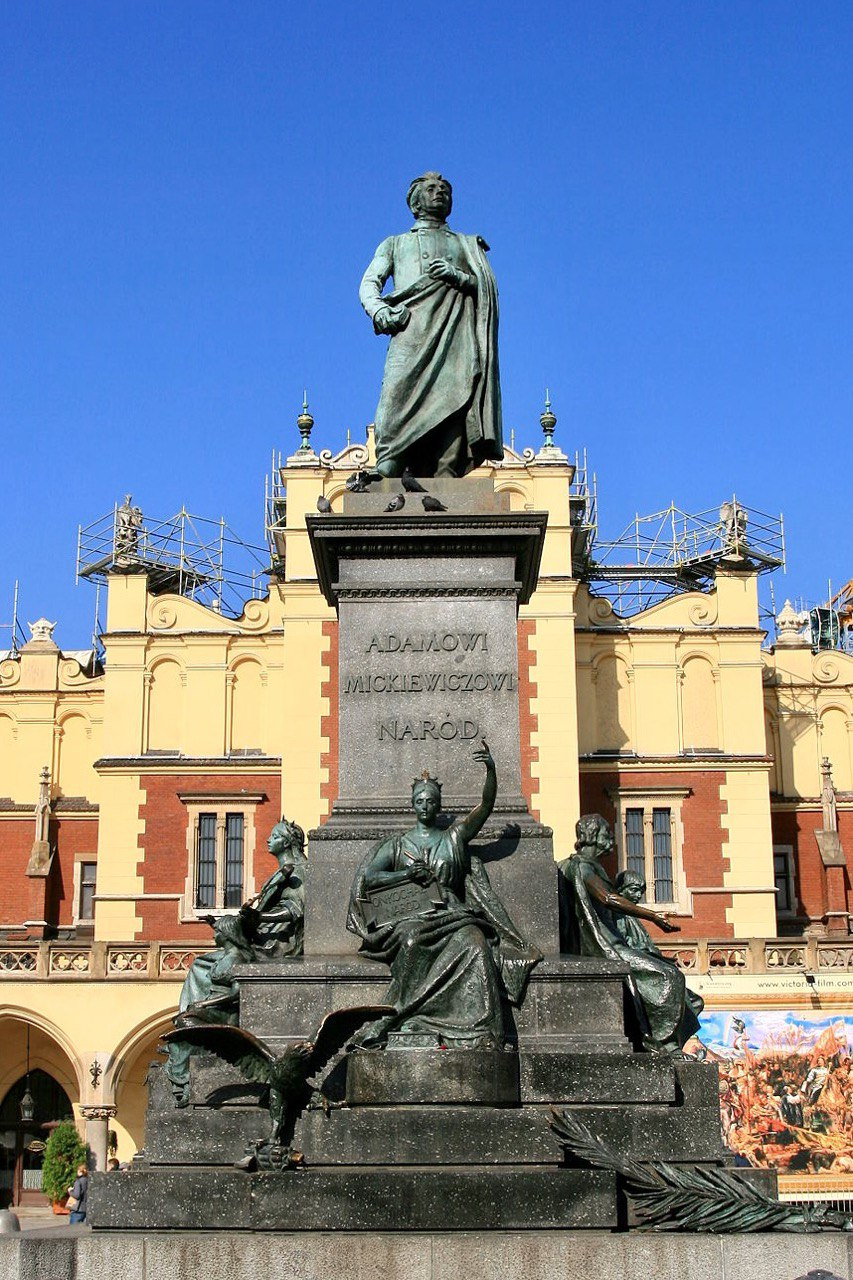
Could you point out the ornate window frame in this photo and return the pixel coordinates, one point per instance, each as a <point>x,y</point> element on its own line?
<point>648,799</point>
<point>81,860</point>
<point>786,851</point>
<point>220,804</point>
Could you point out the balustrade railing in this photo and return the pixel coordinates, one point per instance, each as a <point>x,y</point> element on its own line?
<point>171,960</point>
<point>762,955</point>
<point>108,960</point>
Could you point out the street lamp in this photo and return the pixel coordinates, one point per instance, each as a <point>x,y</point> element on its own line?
<point>27,1106</point>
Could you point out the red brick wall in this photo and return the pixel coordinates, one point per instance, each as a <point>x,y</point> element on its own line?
<point>23,898</point>
<point>528,722</point>
<point>797,828</point>
<point>16,891</point>
<point>76,841</point>
<point>329,723</point>
<point>701,813</point>
<point>163,862</point>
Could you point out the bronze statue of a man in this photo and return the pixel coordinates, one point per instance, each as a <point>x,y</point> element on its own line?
<point>440,406</point>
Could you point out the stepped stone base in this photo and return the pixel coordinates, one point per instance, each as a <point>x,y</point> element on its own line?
<point>572,1003</point>
<point>387,1078</point>
<point>495,1255</point>
<point>426,1139</point>
<point>413,1198</point>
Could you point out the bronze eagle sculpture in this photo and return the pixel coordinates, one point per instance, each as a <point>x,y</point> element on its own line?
<point>286,1073</point>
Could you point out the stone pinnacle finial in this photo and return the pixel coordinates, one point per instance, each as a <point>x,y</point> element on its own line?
<point>548,421</point>
<point>305,423</point>
<point>790,624</point>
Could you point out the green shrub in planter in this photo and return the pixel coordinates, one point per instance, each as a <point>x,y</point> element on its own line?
<point>63,1152</point>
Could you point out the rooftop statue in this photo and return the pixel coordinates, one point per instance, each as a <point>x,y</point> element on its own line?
<point>423,904</point>
<point>596,926</point>
<point>440,406</point>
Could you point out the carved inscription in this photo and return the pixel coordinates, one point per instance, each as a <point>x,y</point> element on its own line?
<point>431,642</point>
<point>453,653</point>
<point>418,730</point>
<point>433,682</point>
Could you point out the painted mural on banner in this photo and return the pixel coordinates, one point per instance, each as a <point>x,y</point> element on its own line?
<point>785,1089</point>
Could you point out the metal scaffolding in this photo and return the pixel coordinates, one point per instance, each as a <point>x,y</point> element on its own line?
<point>12,633</point>
<point>186,555</point>
<point>672,551</point>
<point>275,514</point>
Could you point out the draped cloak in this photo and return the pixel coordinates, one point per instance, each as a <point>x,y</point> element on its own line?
<point>444,364</point>
<point>450,968</point>
<point>657,986</point>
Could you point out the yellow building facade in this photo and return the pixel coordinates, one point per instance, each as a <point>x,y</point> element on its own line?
<point>196,731</point>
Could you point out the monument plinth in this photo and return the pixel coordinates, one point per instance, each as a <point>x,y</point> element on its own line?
<point>427,608</point>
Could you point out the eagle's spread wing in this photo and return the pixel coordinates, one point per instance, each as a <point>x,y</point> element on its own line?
<point>336,1028</point>
<point>240,1048</point>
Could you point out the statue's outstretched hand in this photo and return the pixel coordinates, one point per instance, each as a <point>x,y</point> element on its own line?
<point>391,320</point>
<point>667,926</point>
<point>484,755</point>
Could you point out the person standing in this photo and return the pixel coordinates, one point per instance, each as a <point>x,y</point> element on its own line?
<point>78,1191</point>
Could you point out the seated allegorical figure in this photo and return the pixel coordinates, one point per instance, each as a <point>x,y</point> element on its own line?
<point>267,927</point>
<point>425,906</point>
<point>635,933</point>
<point>280,903</point>
<point>593,909</point>
<point>209,993</point>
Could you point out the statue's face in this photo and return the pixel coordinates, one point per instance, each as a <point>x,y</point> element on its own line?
<point>633,891</point>
<point>604,839</point>
<point>426,805</point>
<point>278,842</point>
<point>433,198</point>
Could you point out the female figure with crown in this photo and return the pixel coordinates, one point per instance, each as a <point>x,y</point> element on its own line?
<point>456,957</point>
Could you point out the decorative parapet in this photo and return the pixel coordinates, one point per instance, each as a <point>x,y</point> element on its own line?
<point>762,955</point>
<point>97,960</point>
<point>171,960</point>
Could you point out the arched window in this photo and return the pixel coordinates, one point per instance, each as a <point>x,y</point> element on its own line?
<point>699,706</point>
<point>22,1141</point>
<point>613,705</point>
<point>165,707</point>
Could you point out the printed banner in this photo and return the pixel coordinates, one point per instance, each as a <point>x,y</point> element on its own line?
<point>784,1090</point>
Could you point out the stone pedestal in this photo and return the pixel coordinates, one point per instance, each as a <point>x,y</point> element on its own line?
<point>427,608</point>
<point>437,1255</point>
<point>428,655</point>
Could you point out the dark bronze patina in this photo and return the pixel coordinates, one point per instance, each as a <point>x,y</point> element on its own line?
<point>591,927</point>
<point>424,905</point>
<point>440,407</point>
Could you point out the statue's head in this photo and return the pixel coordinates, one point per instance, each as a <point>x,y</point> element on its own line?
<point>430,194</point>
<point>594,836</point>
<point>286,836</point>
<point>631,886</point>
<point>426,798</point>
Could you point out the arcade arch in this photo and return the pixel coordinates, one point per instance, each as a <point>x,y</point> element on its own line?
<point>32,1056</point>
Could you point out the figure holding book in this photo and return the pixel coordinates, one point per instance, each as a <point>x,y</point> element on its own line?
<point>455,955</point>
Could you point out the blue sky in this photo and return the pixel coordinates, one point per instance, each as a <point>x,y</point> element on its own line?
<point>192,190</point>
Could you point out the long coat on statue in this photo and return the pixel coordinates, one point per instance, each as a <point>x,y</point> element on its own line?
<point>443,367</point>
